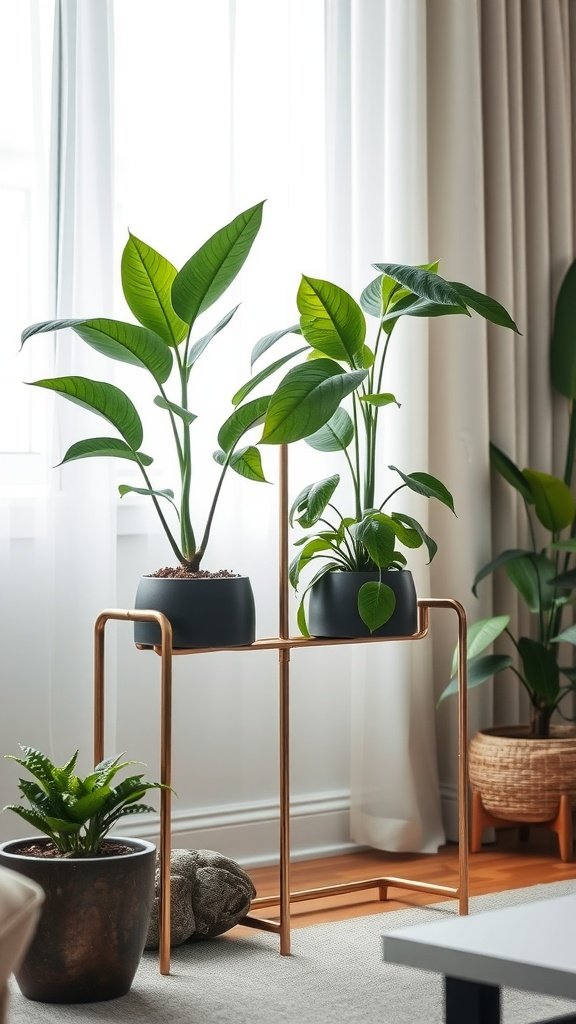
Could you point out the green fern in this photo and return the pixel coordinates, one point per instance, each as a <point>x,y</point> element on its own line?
<point>76,814</point>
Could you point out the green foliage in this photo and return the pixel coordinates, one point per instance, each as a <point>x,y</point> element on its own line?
<point>167,304</point>
<point>76,814</point>
<point>340,364</point>
<point>544,574</point>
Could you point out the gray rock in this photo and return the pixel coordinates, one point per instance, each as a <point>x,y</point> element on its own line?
<point>209,893</point>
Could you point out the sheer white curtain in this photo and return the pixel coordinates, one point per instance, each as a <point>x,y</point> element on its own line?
<point>57,542</point>
<point>320,109</point>
<point>378,211</point>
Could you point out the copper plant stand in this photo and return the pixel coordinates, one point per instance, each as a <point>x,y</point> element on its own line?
<point>283,643</point>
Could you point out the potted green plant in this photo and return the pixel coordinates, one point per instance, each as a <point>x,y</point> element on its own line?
<point>519,772</point>
<point>206,608</point>
<point>362,586</point>
<point>98,888</point>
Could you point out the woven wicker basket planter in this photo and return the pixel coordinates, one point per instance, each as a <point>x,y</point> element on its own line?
<point>522,779</point>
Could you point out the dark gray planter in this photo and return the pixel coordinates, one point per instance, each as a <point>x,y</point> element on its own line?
<point>204,612</point>
<point>333,609</point>
<point>94,922</point>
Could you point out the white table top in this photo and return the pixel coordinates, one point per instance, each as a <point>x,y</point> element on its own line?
<point>530,947</point>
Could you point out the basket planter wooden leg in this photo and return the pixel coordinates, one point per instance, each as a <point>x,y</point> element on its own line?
<point>520,781</point>
<point>561,824</point>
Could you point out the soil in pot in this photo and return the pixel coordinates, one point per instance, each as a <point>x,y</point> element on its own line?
<point>94,922</point>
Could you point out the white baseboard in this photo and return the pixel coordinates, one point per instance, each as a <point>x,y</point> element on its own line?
<point>250,834</point>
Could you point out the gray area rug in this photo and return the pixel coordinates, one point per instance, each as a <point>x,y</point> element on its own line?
<point>334,974</point>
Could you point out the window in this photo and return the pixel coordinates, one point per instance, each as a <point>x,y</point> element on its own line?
<point>25,66</point>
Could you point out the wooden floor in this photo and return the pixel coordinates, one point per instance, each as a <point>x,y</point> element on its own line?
<point>507,864</point>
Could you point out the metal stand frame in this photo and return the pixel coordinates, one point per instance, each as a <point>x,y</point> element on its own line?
<point>283,643</point>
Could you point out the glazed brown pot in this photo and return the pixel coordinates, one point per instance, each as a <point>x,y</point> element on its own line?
<point>519,778</point>
<point>94,922</point>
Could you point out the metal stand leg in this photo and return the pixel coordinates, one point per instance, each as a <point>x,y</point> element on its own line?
<point>165,749</point>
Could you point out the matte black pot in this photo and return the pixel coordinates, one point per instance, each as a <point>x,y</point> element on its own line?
<point>94,922</point>
<point>333,609</point>
<point>205,612</point>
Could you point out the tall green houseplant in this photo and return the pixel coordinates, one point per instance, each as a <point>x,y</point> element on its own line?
<point>370,535</point>
<point>544,572</point>
<point>168,303</point>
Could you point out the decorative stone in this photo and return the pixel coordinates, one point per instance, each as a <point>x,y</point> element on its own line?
<point>209,893</point>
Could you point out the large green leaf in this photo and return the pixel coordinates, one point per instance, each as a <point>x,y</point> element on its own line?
<point>413,524</point>
<point>312,500</point>
<point>209,272</point>
<point>406,534</point>
<point>563,340</point>
<point>568,636</point>
<point>427,485</point>
<point>532,575</point>
<point>424,283</point>
<point>269,340</point>
<point>104,399</point>
<point>244,417</point>
<point>385,398</point>
<point>168,494</point>
<point>511,554</point>
<point>247,462</point>
<point>147,278</point>
<point>410,305</point>
<point>565,580</point>
<point>481,634</point>
<point>128,343</point>
<point>178,410</point>
<point>376,604</point>
<point>104,447</point>
<point>313,547</point>
<point>249,386</point>
<point>371,298</point>
<point>47,327</point>
<point>198,347</point>
<point>334,436</point>
<point>541,671</point>
<point>510,472</point>
<point>553,500</point>
<point>485,305</point>
<point>376,296</point>
<point>330,320</point>
<point>480,670</point>
<point>379,539</point>
<point>306,399</point>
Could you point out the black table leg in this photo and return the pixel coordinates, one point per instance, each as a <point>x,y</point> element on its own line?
<point>469,1002</point>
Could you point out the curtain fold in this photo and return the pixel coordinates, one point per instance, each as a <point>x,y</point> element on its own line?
<point>58,561</point>
<point>383,201</point>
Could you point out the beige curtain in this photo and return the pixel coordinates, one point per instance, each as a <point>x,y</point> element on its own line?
<point>503,206</point>
<point>482,176</point>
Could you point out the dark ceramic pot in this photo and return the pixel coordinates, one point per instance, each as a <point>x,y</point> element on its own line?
<point>94,922</point>
<point>205,612</point>
<point>333,609</point>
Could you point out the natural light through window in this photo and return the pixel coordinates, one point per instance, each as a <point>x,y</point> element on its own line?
<point>25,67</point>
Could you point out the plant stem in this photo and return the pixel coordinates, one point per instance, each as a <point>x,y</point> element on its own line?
<point>357,460</point>
<point>179,555</point>
<point>186,532</point>
<point>206,536</point>
<point>174,428</point>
